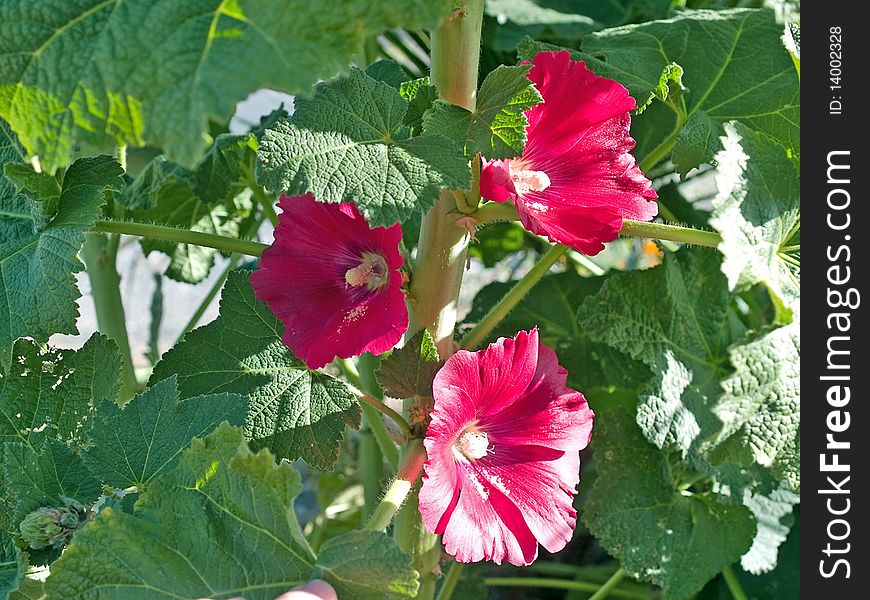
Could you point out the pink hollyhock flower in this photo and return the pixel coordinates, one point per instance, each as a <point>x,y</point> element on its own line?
<point>503,453</point>
<point>576,180</point>
<point>333,281</point>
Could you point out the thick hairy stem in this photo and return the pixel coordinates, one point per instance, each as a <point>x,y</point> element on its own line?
<point>410,466</point>
<point>181,236</point>
<point>442,251</point>
<point>105,289</point>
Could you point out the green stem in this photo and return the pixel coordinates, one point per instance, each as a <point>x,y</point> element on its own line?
<point>608,588</point>
<point>106,292</point>
<point>522,287</point>
<point>395,495</point>
<point>442,250</point>
<point>661,151</point>
<point>562,584</point>
<point>492,212</point>
<point>397,418</point>
<point>451,581</point>
<point>733,584</point>
<point>370,414</point>
<point>266,203</point>
<point>206,301</point>
<point>674,233</point>
<point>181,236</point>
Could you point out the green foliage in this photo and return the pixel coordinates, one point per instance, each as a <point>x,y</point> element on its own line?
<point>349,142</point>
<point>54,391</point>
<point>757,211</point>
<point>367,565</point>
<point>95,72</point>
<point>42,254</point>
<point>295,412</point>
<point>12,567</point>
<point>760,407</point>
<point>718,52</point>
<point>213,197</point>
<point>657,317</point>
<point>408,372</point>
<point>552,306</point>
<point>131,446</point>
<point>638,511</point>
<point>497,126</point>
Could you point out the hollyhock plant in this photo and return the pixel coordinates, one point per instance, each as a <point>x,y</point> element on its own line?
<point>503,453</point>
<point>576,180</point>
<point>333,281</point>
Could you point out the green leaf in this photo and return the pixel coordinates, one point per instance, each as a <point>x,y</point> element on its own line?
<point>12,565</point>
<point>552,307</point>
<point>220,524</point>
<point>757,211</point>
<point>638,512</point>
<point>669,87</point>
<point>409,371</point>
<point>28,589</point>
<point>497,126</point>
<point>41,190</point>
<point>46,260</point>
<point>389,71</point>
<point>54,391</point>
<point>347,143</point>
<point>156,71</point>
<point>295,412</point>
<point>226,168</point>
<point>131,446</point>
<point>420,95</point>
<point>44,477</point>
<point>773,513</point>
<point>658,317</point>
<point>760,409</point>
<point>367,565</point>
<point>718,52</point>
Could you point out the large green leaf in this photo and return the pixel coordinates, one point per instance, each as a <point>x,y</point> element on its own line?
<point>12,567</point>
<point>497,126</point>
<point>46,260</point>
<point>552,306</point>
<point>45,477</point>
<point>112,72</point>
<point>661,318</point>
<point>54,391</point>
<point>760,409</point>
<point>640,513</point>
<point>221,524</point>
<point>409,371</point>
<point>367,565</point>
<point>348,143</point>
<point>131,446</point>
<point>295,412</point>
<point>734,68</point>
<point>773,513</point>
<point>757,211</point>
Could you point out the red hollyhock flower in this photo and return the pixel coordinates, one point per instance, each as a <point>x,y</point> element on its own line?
<point>333,281</point>
<point>503,453</point>
<point>576,180</point>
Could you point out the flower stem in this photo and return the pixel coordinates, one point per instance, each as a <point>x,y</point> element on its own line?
<point>206,301</point>
<point>562,584</point>
<point>99,261</point>
<point>266,203</point>
<point>372,418</point>
<point>451,581</point>
<point>733,583</point>
<point>608,588</point>
<point>181,236</point>
<point>494,211</point>
<point>674,233</point>
<point>443,246</point>
<point>377,404</point>
<point>395,495</point>
<point>522,287</point>
<point>661,151</point>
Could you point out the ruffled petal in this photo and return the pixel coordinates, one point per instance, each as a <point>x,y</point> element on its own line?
<point>495,181</point>
<point>583,228</point>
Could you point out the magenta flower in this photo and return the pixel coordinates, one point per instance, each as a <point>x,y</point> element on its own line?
<point>576,180</point>
<point>503,453</point>
<point>333,281</point>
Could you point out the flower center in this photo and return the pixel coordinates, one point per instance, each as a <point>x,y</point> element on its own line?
<point>527,180</point>
<point>371,272</point>
<point>473,444</point>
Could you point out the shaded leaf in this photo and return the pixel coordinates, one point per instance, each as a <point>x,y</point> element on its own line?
<point>409,371</point>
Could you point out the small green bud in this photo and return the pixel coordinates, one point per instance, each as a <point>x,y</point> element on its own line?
<point>54,526</point>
